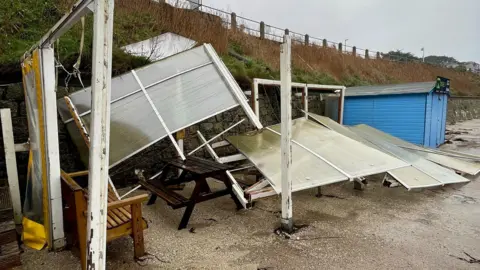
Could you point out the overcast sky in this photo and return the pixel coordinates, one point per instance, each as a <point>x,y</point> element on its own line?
<point>443,27</point>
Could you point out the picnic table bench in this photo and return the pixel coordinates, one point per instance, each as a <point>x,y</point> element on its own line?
<point>193,169</point>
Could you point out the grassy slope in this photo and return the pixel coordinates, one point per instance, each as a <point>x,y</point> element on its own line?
<point>24,22</point>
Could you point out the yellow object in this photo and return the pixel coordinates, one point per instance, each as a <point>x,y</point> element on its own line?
<point>33,234</point>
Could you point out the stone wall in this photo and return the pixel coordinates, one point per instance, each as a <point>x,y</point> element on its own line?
<point>462,109</point>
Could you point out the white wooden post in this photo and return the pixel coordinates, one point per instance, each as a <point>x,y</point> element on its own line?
<point>286,135</point>
<point>305,100</point>
<point>255,104</point>
<point>11,162</point>
<point>100,134</point>
<point>342,105</point>
<point>180,138</point>
<point>52,147</point>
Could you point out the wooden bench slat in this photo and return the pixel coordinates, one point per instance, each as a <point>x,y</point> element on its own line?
<point>110,222</point>
<point>126,211</point>
<point>118,212</point>
<point>116,218</point>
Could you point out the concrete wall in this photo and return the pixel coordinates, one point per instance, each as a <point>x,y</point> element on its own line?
<point>462,109</point>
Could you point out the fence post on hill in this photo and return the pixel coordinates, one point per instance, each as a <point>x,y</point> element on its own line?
<point>366,54</point>
<point>287,32</point>
<point>233,21</point>
<point>378,55</point>
<point>307,39</point>
<point>340,49</point>
<point>262,30</point>
<point>354,51</point>
<point>324,43</point>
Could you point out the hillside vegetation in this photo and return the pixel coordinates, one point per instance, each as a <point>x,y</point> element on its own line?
<point>22,23</point>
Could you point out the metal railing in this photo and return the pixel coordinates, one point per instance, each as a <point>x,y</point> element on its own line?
<point>262,30</point>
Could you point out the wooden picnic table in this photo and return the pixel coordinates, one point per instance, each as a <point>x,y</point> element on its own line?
<point>193,169</point>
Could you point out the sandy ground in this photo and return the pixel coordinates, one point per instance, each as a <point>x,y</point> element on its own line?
<point>378,228</point>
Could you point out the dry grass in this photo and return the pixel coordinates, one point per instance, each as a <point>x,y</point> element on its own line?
<point>135,19</point>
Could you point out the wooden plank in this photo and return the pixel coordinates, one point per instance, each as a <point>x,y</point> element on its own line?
<point>169,196</point>
<point>6,214</point>
<point>137,230</point>
<point>80,209</point>
<point>8,233</point>
<point>9,256</point>
<point>11,164</point>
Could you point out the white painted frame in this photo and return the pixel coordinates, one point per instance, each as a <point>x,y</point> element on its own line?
<point>11,162</point>
<point>100,134</point>
<point>47,67</point>
<point>234,87</point>
<point>286,132</point>
<point>52,155</point>
<point>237,189</point>
<point>306,89</point>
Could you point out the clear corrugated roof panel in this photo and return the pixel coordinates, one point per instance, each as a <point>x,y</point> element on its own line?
<point>413,178</point>
<point>443,175</point>
<point>126,84</point>
<point>352,157</point>
<point>185,89</point>
<point>436,156</point>
<point>409,176</point>
<point>404,88</point>
<point>263,150</point>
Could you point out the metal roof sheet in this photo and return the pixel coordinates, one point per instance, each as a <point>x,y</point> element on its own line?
<point>434,155</point>
<point>410,177</point>
<point>392,89</point>
<point>349,155</point>
<point>443,175</point>
<point>264,151</point>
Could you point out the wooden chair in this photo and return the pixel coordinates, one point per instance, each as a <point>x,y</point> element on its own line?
<point>124,216</point>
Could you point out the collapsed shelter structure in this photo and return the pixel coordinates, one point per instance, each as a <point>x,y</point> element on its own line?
<point>117,118</point>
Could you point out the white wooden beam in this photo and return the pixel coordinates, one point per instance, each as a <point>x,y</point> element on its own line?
<point>255,104</point>
<point>342,105</point>
<point>220,144</point>
<point>162,122</point>
<point>232,158</point>
<point>324,87</point>
<point>11,162</point>
<point>237,189</point>
<point>286,132</point>
<point>234,87</point>
<point>257,186</point>
<point>216,136</point>
<point>22,147</point>
<point>305,101</point>
<point>209,148</point>
<point>100,135</point>
<point>80,9</point>
<point>262,193</point>
<point>52,147</point>
<point>276,83</point>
